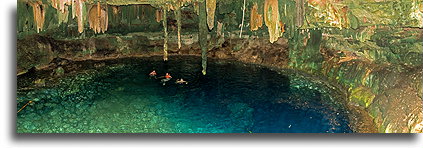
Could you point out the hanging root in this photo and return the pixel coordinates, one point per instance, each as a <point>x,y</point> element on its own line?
<point>165,35</point>
<point>24,106</point>
<point>178,19</point>
<point>242,23</point>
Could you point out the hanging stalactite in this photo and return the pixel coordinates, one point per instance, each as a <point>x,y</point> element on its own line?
<point>179,23</point>
<point>39,12</point>
<point>165,35</point>
<point>73,7</point>
<point>158,16</point>
<point>98,18</point>
<point>115,10</point>
<point>272,20</point>
<point>63,16</point>
<point>299,18</point>
<point>256,19</point>
<point>202,35</point>
<point>211,8</point>
<point>79,7</point>
<point>61,5</point>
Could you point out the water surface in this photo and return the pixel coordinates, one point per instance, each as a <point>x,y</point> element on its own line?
<point>233,97</point>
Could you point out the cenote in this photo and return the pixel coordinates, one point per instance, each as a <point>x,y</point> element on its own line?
<point>118,96</point>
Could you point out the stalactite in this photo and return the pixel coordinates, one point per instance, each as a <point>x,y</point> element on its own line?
<point>271,19</point>
<point>73,8</point>
<point>211,8</point>
<point>115,10</point>
<point>299,19</point>
<point>98,9</point>
<point>54,3</point>
<point>158,15</point>
<point>219,30</point>
<point>61,5</point>
<point>179,23</point>
<point>106,20</point>
<point>98,18</point>
<point>202,35</point>
<point>79,6</point>
<point>165,35</point>
<point>63,17</point>
<point>39,14</point>
<point>256,20</point>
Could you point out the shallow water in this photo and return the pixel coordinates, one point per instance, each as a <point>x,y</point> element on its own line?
<point>232,98</point>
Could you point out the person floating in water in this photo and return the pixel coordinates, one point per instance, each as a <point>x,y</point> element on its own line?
<point>167,77</point>
<point>181,81</point>
<point>153,74</point>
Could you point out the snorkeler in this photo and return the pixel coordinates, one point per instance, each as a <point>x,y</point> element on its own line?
<point>167,77</point>
<point>181,81</point>
<point>153,74</point>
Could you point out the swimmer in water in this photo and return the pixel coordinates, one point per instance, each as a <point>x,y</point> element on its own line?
<point>181,81</point>
<point>153,74</point>
<point>167,77</point>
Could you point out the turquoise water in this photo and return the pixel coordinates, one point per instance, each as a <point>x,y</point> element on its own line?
<point>232,98</point>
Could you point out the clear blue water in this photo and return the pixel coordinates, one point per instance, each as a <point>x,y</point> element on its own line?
<point>232,98</point>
